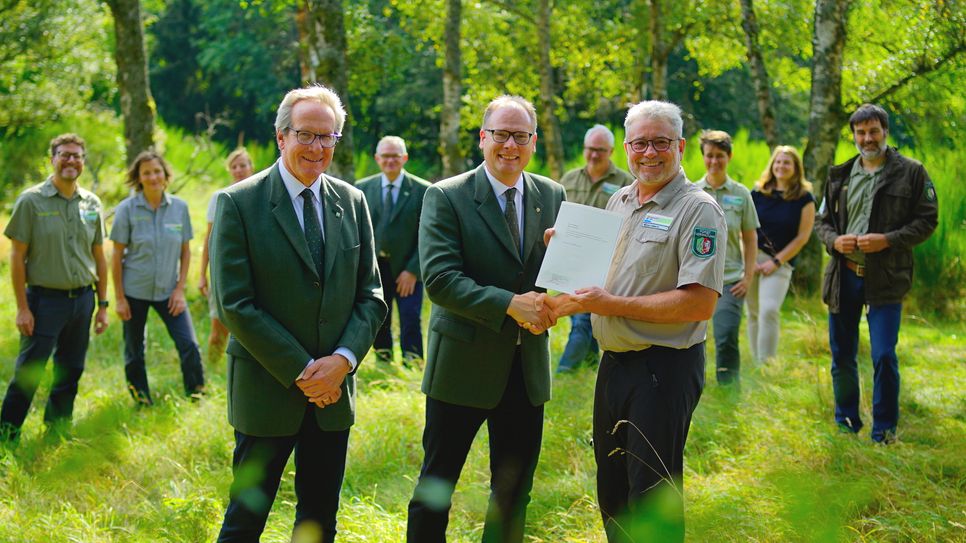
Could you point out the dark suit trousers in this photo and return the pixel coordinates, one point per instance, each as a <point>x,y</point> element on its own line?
<point>516,431</point>
<point>640,487</point>
<point>410,307</point>
<point>257,466</point>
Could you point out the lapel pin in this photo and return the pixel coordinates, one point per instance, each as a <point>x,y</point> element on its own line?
<point>538,210</point>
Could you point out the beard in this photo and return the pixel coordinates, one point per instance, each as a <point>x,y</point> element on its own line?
<point>869,154</point>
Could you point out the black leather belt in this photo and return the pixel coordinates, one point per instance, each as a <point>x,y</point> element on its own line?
<point>60,293</point>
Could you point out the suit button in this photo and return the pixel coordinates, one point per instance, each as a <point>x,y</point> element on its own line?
<point>316,284</point>
<point>322,321</point>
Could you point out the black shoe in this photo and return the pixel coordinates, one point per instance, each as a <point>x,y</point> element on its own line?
<point>886,437</point>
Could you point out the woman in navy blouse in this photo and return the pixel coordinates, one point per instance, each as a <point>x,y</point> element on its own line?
<point>151,234</point>
<point>786,211</point>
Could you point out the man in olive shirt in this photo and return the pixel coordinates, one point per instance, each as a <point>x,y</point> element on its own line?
<point>591,185</point>
<point>56,233</point>
<point>651,321</point>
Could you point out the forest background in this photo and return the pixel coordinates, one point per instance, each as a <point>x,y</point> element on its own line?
<point>196,78</point>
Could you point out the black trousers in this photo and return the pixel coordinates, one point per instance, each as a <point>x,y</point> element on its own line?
<point>642,411</point>
<point>257,467</point>
<point>516,432</point>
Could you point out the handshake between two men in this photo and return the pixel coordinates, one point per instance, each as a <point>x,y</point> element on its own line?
<point>536,311</point>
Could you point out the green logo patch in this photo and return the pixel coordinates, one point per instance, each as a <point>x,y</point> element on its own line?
<point>704,242</point>
<point>930,192</point>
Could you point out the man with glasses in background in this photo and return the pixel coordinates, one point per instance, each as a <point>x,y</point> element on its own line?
<point>591,185</point>
<point>57,261</point>
<point>488,355</point>
<point>651,321</point>
<point>395,199</point>
<point>293,270</point>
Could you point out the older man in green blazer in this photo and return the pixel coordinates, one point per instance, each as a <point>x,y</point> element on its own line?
<point>395,199</point>
<point>488,360</point>
<point>295,282</point>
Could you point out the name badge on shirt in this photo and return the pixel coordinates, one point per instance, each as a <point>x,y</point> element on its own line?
<point>732,200</point>
<point>174,228</point>
<point>658,222</point>
<point>609,188</point>
<point>89,216</point>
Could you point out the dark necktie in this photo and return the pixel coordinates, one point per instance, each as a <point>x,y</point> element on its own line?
<point>510,214</point>
<point>313,232</point>
<point>383,226</point>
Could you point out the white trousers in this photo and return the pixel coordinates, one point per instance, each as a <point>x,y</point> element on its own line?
<point>764,303</point>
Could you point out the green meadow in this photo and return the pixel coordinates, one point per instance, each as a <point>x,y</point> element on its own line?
<point>763,464</point>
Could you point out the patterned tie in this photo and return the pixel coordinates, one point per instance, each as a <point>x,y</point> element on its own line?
<point>313,232</point>
<point>510,214</point>
<point>383,226</point>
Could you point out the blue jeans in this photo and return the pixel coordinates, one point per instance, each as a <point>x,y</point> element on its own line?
<point>410,310</point>
<point>843,332</point>
<point>726,322</point>
<point>580,343</point>
<point>181,331</point>
<point>62,326</point>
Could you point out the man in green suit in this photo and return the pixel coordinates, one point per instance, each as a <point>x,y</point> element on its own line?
<point>488,356</point>
<point>295,281</point>
<point>395,199</point>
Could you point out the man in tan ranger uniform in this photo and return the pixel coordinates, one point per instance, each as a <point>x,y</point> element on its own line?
<point>56,233</point>
<point>650,320</point>
<point>591,185</point>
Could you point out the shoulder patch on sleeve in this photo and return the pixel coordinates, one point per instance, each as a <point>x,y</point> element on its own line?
<point>704,242</point>
<point>930,191</point>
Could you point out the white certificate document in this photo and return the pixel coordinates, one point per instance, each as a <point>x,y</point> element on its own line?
<point>581,248</point>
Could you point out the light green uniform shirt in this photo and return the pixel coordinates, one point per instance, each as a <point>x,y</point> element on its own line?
<point>859,204</point>
<point>735,201</point>
<point>153,238</point>
<point>581,190</point>
<point>59,234</point>
<point>670,241</point>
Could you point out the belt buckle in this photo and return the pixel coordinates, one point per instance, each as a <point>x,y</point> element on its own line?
<point>383,254</point>
<point>860,270</point>
<point>72,293</point>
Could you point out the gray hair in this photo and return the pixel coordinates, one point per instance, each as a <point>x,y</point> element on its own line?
<point>658,110</point>
<point>511,100</point>
<point>599,128</point>
<point>392,140</point>
<point>318,93</point>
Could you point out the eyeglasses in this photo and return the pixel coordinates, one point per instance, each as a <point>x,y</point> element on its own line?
<point>390,156</point>
<point>659,144</point>
<point>70,156</point>
<point>600,150</point>
<point>501,136</point>
<point>306,137</point>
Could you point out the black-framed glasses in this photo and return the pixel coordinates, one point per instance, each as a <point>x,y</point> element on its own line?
<point>306,137</point>
<point>501,136</point>
<point>70,156</point>
<point>659,144</point>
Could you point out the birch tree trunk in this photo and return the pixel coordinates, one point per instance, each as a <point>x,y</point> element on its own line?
<point>659,52</point>
<point>449,123</point>
<point>550,125</point>
<point>825,119</point>
<point>130,55</point>
<point>759,73</point>
<point>322,47</point>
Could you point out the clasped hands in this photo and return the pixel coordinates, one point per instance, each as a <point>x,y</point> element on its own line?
<point>321,382</point>
<point>536,311</point>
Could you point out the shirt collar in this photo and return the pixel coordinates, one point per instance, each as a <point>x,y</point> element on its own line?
<point>397,183</point>
<point>140,200</point>
<point>498,187</point>
<point>726,186</point>
<point>857,169</point>
<point>294,186</point>
<point>663,196</point>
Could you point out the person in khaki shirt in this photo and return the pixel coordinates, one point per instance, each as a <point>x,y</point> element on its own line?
<point>591,185</point>
<point>740,251</point>
<point>650,320</point>
<point>56,233</point>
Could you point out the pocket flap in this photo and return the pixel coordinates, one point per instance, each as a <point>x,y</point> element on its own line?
<point>454,329</point>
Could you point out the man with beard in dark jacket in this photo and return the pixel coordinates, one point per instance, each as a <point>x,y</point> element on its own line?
<point>876,208</point>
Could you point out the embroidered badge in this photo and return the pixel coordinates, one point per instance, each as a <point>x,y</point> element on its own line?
<point>732,200</point>
<point>609,188</point>
<point>703,242</point>
<point>930,192</point>
<point>659,222</point>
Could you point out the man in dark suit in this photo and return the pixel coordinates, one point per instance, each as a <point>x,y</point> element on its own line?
<point>480,250</point>
<point>395,199</point>
<point>295,281</point>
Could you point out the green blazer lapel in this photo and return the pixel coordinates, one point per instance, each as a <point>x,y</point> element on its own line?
<point>285,216</point>
<point>533,207</point>
<point>333,224</point>
<point>405,190</point>
<point>373,191</point>
<point>489,210</point>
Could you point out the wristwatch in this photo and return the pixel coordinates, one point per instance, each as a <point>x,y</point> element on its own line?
<point>102,303</point>
<point>776,261</point>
